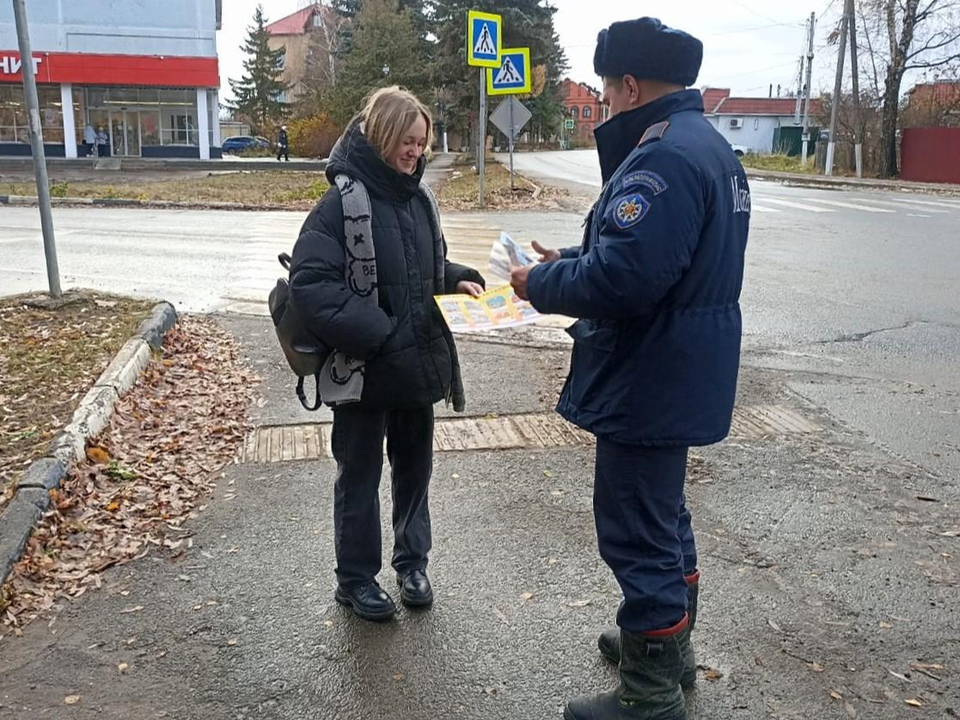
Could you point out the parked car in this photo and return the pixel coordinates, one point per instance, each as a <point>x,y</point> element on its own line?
<point>241,143</point>
<point>740,150</point>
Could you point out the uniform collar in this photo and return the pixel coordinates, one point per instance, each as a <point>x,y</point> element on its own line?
<point>618,136</point>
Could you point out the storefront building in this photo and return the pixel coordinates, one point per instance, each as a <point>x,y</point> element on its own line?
<point>133,79</point>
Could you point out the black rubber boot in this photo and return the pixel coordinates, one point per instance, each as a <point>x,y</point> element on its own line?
<point>651,666</point>
<point>609,642</point>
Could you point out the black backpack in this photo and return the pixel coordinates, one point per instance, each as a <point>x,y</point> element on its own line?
<point>305,353</point>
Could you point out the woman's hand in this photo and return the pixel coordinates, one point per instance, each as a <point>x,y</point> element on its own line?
<point>547,255</point>
<point>465,287</point>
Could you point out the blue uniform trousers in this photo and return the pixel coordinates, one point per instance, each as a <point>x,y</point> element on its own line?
<point>644,531</point>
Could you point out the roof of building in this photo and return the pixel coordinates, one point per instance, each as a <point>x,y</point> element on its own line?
<point>780,107</point>
<point>941,91</point>
<point>295,24</point>
<point>713,97</point>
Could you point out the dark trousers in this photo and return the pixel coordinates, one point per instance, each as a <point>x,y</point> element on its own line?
<point>358,448</point>
<point>644,531</point>
<point>283,152</point>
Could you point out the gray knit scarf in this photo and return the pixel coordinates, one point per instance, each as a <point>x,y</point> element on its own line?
<point>341,380</point>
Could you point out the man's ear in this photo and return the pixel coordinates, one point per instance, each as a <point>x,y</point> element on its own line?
<point>632,86</point>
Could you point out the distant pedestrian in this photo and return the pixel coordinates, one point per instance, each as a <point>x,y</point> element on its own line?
<point>103,142</point>
<point>283,144</point>
<point>370,258</point>
<point>657,284</point>
<point>90,140</point>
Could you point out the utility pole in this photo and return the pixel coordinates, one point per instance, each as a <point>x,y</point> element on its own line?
<point>797,114</point>
<point>806,91</point>
<point>854,68</point>
<point>837,91</point>
<point>36,144</point>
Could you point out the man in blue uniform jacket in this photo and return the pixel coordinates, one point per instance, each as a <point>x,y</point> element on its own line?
<point>656,287</point>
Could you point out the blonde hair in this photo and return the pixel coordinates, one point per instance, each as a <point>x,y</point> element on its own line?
<point>390,112</point>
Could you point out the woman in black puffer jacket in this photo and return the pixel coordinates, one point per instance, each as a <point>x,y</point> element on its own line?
<point>395,341</point>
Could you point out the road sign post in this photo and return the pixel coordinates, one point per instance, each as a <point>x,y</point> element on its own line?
<point>36,144</point>
<point>512,77</point>
<point>510,117</point>
<point>484,43</point>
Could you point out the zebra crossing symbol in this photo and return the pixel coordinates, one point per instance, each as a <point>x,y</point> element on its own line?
<point>484,44</point>
<point>483,39</point>
<point>512,76</point>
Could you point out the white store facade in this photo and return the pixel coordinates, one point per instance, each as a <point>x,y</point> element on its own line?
<point>138,78</point>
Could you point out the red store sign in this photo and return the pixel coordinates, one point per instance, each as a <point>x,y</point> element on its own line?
<point>127,70</point>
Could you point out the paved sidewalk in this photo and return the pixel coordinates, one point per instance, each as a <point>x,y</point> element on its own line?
<point>823,573</point>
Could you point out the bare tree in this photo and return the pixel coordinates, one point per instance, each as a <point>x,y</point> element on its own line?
<point>920,35</point>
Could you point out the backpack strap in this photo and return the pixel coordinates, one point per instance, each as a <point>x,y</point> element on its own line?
<point>301,393</point>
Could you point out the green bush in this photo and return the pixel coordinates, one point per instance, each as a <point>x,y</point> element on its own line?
<point>59,190</point>
<point>313,136</point>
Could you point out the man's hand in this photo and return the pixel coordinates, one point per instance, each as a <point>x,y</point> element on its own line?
<point>518,279</point>
<point>465,287</point>
<point>547,255</point>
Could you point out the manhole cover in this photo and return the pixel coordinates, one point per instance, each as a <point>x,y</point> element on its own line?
<point>286,443</point>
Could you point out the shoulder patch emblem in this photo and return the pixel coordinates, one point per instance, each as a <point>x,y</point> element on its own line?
<point>647,179</point>
<point>629,210</point>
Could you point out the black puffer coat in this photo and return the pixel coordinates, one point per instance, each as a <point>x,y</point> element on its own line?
<point>410,358</point>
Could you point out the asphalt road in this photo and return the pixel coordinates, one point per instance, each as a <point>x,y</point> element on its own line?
<point>829,563</point>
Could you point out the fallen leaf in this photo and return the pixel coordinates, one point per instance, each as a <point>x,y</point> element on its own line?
<point>527,596</point>
<point>835,695</point>
<point>134,609</point>
<point>713,675</point>
<point>885,626</point>
<point>774,625</point>
<point>815,666</point>
<point>131,641</point>
<point>850,709</point>
<point>579,603</point>
<point>197,607</point>
<point>553,561</point>
<point>546,473</point>
<point>113,506</point>
<point>329,623</point>
<point>231,643</point>
<point>71,700</point>
<point>97,455</point>
<point>898,676</point>
<point>914,702</point>
<point>123,667</point>
<point>398,677</point>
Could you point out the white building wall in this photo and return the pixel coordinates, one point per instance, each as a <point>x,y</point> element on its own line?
<point>186,28</point>
<point>757,131</point>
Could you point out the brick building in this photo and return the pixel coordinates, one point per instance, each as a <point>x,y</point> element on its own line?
<point>308,36</point>
<point>582,103</point>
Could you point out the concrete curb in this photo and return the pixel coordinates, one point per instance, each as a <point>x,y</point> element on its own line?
<point>821,181</point>
<point>32,496</point>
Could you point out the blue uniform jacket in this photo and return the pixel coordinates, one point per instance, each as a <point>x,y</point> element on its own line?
<point>656,281</point>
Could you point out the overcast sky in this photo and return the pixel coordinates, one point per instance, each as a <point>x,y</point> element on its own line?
<point>748,44</point>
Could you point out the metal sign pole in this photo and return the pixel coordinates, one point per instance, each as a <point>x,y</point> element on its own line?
<point>513,132</point>
<point>482,131</point>
<point>36,144</point>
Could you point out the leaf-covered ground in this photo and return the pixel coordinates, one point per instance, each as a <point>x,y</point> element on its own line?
<point>144,476</point>
<point>49,359</point>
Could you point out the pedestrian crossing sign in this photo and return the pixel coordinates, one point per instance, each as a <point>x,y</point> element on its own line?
<point>512,76</point>
<point>483,39</point>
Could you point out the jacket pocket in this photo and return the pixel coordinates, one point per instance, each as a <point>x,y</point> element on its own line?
<point>595,334</point>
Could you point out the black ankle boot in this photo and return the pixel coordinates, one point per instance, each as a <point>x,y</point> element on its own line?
<point>368,601</point>
<point>415,589</point>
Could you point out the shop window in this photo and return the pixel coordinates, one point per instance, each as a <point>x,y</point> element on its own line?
<point>13,117</point>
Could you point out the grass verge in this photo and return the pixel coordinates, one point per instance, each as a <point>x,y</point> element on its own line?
<point>298,190</point>
<point>778,163</point>
<point>49,359</point>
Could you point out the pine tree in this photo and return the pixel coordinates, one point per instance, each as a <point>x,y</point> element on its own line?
<point>384,52</point>
<point>258,94</point>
